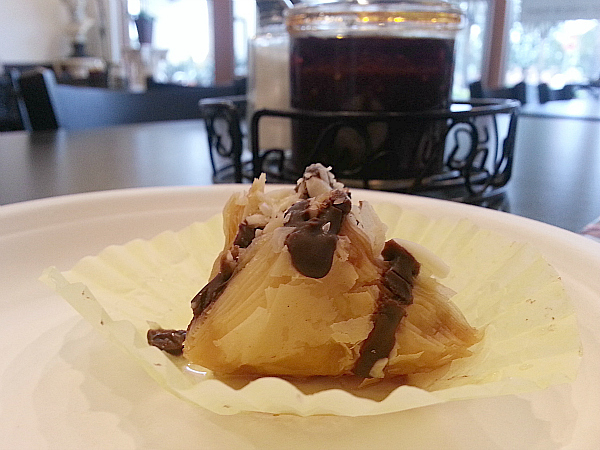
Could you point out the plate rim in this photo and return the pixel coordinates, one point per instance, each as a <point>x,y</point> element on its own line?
<point>20,212</point>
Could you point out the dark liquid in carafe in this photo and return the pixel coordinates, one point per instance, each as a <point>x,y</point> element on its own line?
<point>371,74</point>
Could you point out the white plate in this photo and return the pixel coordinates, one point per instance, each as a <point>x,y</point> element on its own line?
<point>62,385</point>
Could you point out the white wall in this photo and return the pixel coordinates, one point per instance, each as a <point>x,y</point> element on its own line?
<point>33,31</point>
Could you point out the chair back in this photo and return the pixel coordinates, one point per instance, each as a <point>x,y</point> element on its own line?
<point>10,106</point>
<point>51,105</point>
<point>517,92</point>
<point>546,94</point>
<point>36,92</point>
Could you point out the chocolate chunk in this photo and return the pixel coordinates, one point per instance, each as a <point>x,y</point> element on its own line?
<point>400,259</point>
<point>245,235</point>
<point>312,250</point>
<point>170,341</point>
<point>397,285</point>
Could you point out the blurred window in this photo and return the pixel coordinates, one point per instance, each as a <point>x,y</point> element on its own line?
<point>553,45</point>
<point>184,29</point>
<point>244,27</point>
<point>469,47</point>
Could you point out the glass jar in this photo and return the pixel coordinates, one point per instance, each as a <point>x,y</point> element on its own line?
<point>269,74</point>
<point>372,55</point>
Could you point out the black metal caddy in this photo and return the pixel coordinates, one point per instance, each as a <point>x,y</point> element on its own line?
<point>477,141</point>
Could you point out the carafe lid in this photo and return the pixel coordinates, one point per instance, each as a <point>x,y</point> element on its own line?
<point>350,17</point>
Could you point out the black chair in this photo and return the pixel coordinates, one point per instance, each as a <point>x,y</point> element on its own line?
<point>10,107</point>
<point>35,89</point>
<point>546,94</point>
<point>516,92</point>
<point>51,105</point>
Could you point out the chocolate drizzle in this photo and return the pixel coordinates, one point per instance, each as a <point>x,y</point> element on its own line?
<point>313,242</point>
<point>228,263</point>
<point>395,296</point>
<point>213,289</point>
<point>171,341</point>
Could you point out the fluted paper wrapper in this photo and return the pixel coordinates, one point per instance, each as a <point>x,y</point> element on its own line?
<point>504,288</point>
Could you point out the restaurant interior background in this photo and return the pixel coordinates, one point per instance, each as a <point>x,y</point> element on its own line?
<point>505,42</point>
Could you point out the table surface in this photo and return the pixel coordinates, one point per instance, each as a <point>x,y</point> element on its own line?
<point>556,175</point>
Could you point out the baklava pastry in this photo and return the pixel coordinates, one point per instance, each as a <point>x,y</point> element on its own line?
<point>306,285</point>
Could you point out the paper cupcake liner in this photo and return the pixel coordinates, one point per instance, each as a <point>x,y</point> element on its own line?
<point>504,287</point>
